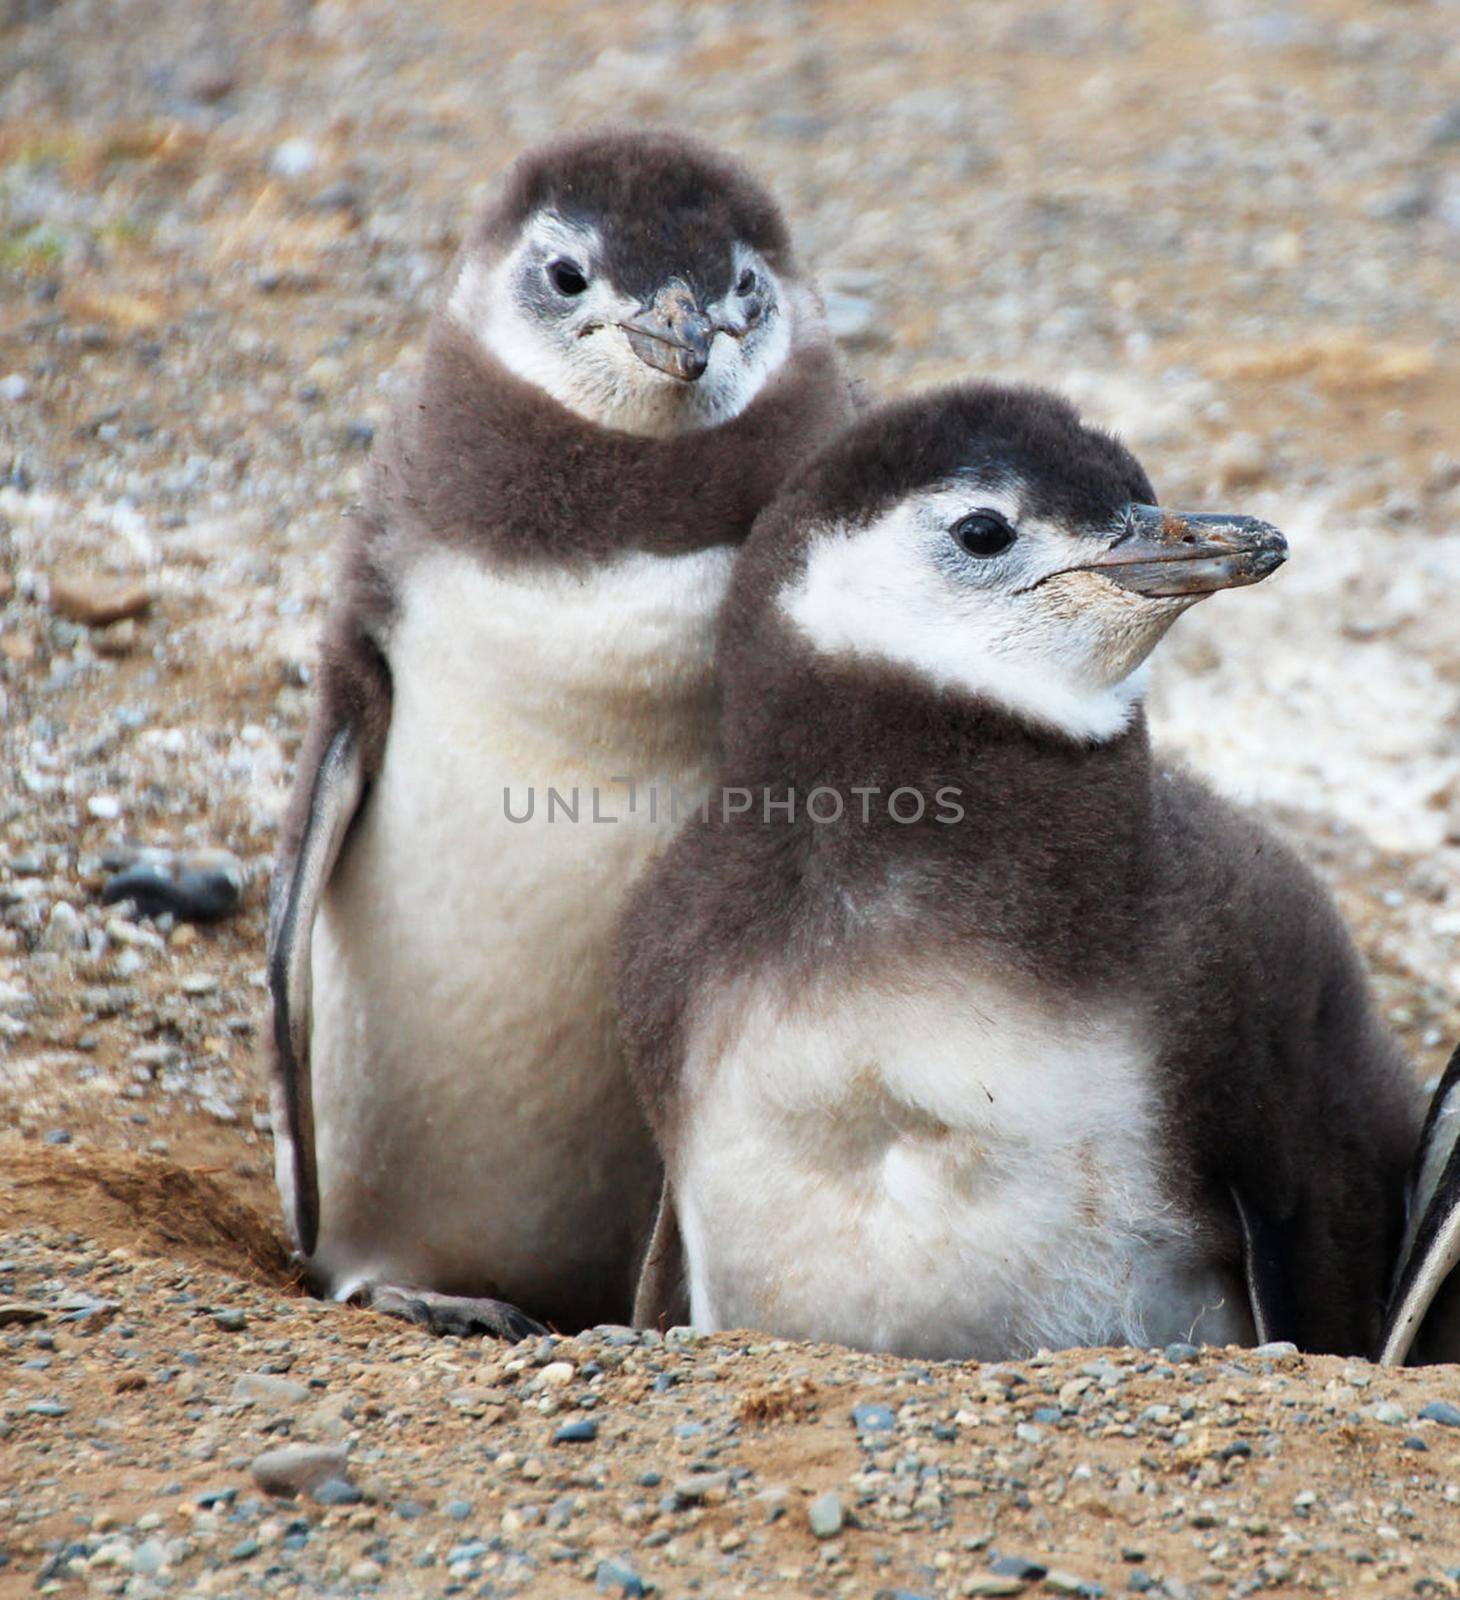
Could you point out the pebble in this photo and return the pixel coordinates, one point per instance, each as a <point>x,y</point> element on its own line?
<point>267,1389</point>
<point>582,1431</point>
<point>1390,1412</point>
<point>873,1418</point>
<point>1440,1411</point>
<point>618,1577</point>
<point>293,158</point>
<point>991,1584</point>
<point>230,1321</point>
<point>148,1558</point>
<point>826,1515</point>
<point>700,1487</point>
<point>336,1492</point>
<point>1180,1354</point>
<point>21,1311</point>
<point>557,1373</point>
<point>95,602</point>
<point>1017,1567</point>
<point>196,886</point>
<point>14,387</point>
<point>299,1468</point>
<point>1276,1348</point>
<point>336,197</point>
<point>104,807</point>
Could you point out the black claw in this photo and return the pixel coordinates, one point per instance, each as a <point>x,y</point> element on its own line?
<point>457,1315</point>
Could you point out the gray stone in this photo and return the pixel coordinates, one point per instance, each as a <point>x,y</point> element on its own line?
<point>148,1558</point>
<point>1440,1411</point>
<point>873,1418</point>
<point>1017,1567</point>
<point>267,1389</point>
<point>826,1515</point>
<point>336,1492</point>
<point>298,1468</point>
<point>701,1486</point>
<point>618,1577</point>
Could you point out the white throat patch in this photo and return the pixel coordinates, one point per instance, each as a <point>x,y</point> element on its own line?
<point>891,592</point>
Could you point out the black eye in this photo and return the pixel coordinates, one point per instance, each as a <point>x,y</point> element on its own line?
<point>748,282</point>
<point>983,533</point>
<point>566,277</point>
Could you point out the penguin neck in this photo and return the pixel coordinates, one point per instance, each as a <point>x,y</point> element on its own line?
<point>482,460</point>
<point>1009,821</point>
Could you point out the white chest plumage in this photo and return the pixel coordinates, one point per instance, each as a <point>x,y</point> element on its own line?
<point>937,1165</point>
<point>474,1119</point>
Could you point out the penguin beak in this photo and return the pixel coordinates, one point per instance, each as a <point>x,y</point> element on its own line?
<point>672,333</point>
<point>1172,554</point>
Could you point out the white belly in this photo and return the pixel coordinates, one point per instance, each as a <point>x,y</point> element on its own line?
<point>951,1172</point>
<point>476,1132</point>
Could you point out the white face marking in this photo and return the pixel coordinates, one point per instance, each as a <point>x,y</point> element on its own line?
<point>1066,652</point>
<point>577,352</point>
<point>475,1123</point>
<point>945,1167</point>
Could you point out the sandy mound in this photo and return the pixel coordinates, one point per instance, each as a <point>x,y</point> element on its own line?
<point>142,1203</point>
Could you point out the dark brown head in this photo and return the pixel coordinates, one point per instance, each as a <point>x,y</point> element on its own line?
<point>639,278</point>
<point>985,542</point>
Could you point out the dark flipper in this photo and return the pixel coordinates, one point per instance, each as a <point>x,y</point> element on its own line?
<point>334,796</point>
<point>662,1299</point>
<point>1265,1269</point>
<point>450,1313</point>
<point>1423,1322</point>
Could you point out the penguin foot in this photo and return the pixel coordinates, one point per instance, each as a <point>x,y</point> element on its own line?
<point>451,1313</point>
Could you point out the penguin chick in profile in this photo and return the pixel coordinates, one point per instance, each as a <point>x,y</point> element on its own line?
<point>626,365</point>
<point>966,1026</point>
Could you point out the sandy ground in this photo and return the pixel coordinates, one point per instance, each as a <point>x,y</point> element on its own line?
<point>1231,230</point>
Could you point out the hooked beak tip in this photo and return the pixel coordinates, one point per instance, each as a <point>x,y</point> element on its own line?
<point>1169,555</point>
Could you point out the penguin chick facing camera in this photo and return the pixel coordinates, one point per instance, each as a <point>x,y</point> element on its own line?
<point>965,1025</point>
<point>625,366</point>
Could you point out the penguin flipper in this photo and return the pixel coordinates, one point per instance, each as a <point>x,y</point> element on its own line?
<point>662,1298</point>
<point>1424,1307</point>
<point>1265,1270</point>
<point>334,798</point>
